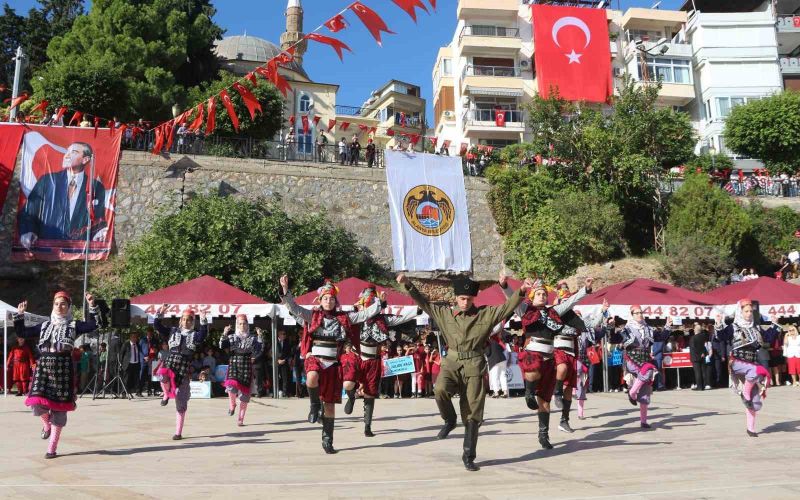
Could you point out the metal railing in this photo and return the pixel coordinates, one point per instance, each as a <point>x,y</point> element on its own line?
<point>488,115</point>
<point>790,64</point>
<point>248,147</point>
<point>499,71</point>
<point>410,121</point>
<point>352,110</point>
<point>788,23</point>
<point>498,31</point>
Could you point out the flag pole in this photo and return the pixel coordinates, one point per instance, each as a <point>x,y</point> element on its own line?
<point>90,206</point>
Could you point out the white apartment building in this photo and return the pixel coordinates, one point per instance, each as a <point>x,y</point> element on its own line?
<point>708,61</point>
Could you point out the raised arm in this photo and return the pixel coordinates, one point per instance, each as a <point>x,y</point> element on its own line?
<point>509,292</point>
<point>93,321</point>
<point>225,337</point>
<point>300,314</point>
<point>202,332</point>
<point>162,330</point>
<point>573,299</point>
<point>513,302</point>
<point>25,332</point>
<point>434,311</point>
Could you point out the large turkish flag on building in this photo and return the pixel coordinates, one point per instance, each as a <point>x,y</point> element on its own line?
<point>572,52</point>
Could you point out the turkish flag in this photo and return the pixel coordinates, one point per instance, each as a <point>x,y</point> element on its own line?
<point>336,23</point>
<point>499,117</point>
<point>304,120</point>
<point>331,124</point>
<point>572,52</point>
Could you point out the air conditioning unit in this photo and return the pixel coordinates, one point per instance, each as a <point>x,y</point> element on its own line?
<point>448,114</point>
<point>618,72</point>
<point>524,63</point>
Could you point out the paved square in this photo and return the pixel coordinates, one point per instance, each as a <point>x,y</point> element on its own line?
<point>119,449</point>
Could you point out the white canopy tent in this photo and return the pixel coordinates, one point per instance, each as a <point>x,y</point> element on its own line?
<point>6,310</point>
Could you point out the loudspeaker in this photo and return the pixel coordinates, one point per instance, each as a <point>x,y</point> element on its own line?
<point>120,313</point>
<point>757,320</point>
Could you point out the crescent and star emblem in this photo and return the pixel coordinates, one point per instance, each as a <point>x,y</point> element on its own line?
<point>578,23</point>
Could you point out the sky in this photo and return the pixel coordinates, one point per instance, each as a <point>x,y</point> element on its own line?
<point>408,55</point>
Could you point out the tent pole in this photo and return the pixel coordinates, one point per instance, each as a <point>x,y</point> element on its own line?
<point>5,355</point>
<point>274,323</point>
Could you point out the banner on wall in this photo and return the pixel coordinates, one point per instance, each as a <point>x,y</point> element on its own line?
<point>58,202</point>
<point>10,138</point>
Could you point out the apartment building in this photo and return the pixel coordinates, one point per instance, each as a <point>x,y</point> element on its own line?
<point>708,61</point>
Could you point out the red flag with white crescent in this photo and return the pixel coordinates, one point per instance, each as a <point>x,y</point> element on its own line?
<point>198,120</point>
<point>411,6</point>
<point>572,52</point>
<point>331,124</point>
<point>211,121</point>
<point>344,126</point>
<point>499,117</point>
<point>18,100</point>
<point>76,117</point>
<point>336,44</point>
<point>336,23</point>
<point>250,100</point>
<point>316,120</point>
<point>59,114</point>
<point>42,106</point>
<point>371,20</point>
<point>304,120</point>
<point>226,101</point>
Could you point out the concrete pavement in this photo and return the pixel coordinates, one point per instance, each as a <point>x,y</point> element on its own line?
<point>120,449</point>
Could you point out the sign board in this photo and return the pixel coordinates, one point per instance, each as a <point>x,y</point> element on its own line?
<point>514,373</point>
<point>616,358</point>
<point>200,390</point>
<point>398,366</point>
<point>677,360</point>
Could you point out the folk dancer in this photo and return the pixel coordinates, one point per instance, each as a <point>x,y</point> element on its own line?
<point>52,394</point>
<point>175,374</point>
<point>543,327</point>
<point>466,330</point>
<point>325,330</point>
<point>244,348</point>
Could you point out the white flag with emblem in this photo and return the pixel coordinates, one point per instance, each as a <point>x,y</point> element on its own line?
<point>428,211</point>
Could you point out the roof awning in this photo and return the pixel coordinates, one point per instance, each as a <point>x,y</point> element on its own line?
<point>494,91</point>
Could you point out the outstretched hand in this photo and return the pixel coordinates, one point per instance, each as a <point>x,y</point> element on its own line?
<point>502,279</point>
<point>285,283</point>
<point>22,307</point>
<point>402,279</point>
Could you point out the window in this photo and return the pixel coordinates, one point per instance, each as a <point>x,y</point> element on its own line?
<point>305,144</point>
<point>726,104</point>
<point>497,143</point>
<point>447,67</point>
<point>305,104</point>
<point>667,70</point>
<point>707,108</point>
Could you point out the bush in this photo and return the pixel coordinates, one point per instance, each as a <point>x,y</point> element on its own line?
<point>705,212</point>
<point>692,263</point>
<point>564,233</point>
<point>771,235</point>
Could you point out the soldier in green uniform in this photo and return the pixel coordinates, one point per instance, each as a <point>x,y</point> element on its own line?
<point>466,329</point>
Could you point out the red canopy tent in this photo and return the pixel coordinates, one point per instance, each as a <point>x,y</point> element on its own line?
<point>658,300</point>
<point>494,296</point>
<point>349,290</point>
<point>774,296</point>
<point>206,295</point>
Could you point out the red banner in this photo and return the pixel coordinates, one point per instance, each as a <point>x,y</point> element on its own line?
<point>57,203</point>
<point>10,138</point>
<point>677,360</point>
<point>572,52</point>
<point>499,117</point>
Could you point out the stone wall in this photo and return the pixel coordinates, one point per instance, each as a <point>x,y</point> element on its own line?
<point>354,198</point>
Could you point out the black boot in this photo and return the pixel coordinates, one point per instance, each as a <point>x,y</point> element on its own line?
<point>564,424</point>
<point>327,435</point>
<point>558,395</point>
<point>470,445</point>
<point>351,400</point>
<point>544,430</point>
<point>315,407</point>
<point>448,413</point>
<point>369,405</point>
<point>530,395</point>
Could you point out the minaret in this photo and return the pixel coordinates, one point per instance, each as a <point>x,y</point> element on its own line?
<point>294,30</point>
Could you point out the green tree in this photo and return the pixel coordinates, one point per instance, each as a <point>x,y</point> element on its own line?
<point>706,212</point>
<point>692,263</point>
<point>563,234</point>
<point>707,163</point>
<point>265,125</point>
<point>152,50</point>
<point>248,244</point>
<point>771,235</point>
<point>768,129</point>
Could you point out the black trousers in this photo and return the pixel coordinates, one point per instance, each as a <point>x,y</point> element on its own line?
<point>284,378</point>
<point>259,373</point>
<point>132,379</point>
<point>702,373</point>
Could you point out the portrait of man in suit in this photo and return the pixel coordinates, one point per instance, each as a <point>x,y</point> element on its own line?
<point>57,208</point>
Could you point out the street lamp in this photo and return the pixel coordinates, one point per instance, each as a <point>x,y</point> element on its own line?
<point>660,45</point>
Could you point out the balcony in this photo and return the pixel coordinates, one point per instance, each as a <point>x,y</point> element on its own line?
<point>489,40</point>
<point>352,111</point>
<point>482,122</point>
<point>673,94</point>
<point>790,65</point>
<point>503,78</point>
<point>680,50</point>
<point>487,9</point>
